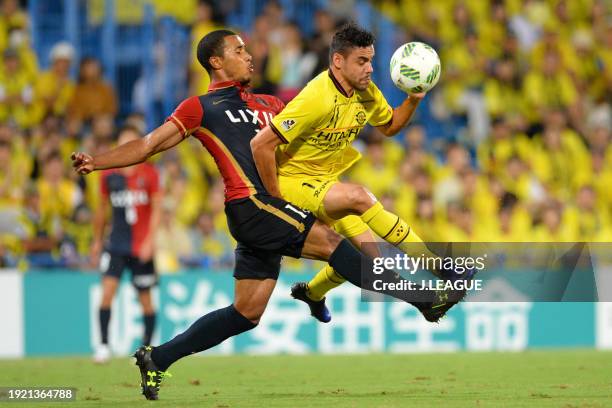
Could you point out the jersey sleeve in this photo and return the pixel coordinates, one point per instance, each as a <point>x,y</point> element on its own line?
<point>187,116</point>
<point>301,116</point>
<point>382,112</point>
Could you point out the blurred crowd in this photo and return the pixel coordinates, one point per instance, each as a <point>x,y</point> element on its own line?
<point>529,82</point>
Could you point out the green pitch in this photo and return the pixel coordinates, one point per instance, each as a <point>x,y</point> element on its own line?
<point>529,379</point>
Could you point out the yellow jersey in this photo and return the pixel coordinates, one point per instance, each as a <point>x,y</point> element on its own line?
<point>320,123</point>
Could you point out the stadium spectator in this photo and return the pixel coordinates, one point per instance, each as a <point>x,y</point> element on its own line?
<point>54,88</point>
<point>266,57</point>
<point>11,18</point>
<point>324,28</point>
<point>16,91</point>
<point>204,23</point>
<point>92,96</point>
<point>211,248</point>
<point>59,196</point>
<point>171,239</point>
<point>298,63</point>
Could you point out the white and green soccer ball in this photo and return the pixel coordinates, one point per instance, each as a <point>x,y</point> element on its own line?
<point>415,67</point>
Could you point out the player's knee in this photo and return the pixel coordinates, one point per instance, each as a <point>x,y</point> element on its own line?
<point>330,243</point>
<point>360,199</point>
<point>250,309</point>
<point>107,299</point>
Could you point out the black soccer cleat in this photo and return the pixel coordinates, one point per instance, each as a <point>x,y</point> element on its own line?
<point>150,375</point>
<point>444,300</point>
<point>317,307</point>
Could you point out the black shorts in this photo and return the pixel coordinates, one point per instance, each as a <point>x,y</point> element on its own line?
<point>266,228</point>
<point>143,273</point>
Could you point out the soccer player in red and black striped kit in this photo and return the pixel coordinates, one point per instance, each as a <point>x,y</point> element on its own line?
<point>132,198</point>
<point>225,120</point>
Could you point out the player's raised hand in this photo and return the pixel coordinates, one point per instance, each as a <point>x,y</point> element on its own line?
<point>417,96</point>
<point>82,163</point>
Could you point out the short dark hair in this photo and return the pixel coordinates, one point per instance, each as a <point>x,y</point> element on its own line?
<point>350,36</point>
<point>211,45</point>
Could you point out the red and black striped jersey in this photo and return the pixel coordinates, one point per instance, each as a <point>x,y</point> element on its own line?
<point>225,120</point>
<point>130,194</point>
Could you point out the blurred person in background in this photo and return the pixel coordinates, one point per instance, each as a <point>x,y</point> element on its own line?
<point>588,216</point>
<point>77,239</point>
<point>131,200</point>
<point>15,167</point>
<point>375,170</point>
<point>298,63</point>
<point>550,226</point>
<point>40,240</point>
<point>16,91</point>
<point>59,195</point>
<point>92,96</point>
<point>267,62</point>
<point>548,87</point>
<point>171,239</point>
<point>211,248</point>
<point>54,88</point>
<point>204,24</point>
<point>324,28</point>
<point>11,18</point>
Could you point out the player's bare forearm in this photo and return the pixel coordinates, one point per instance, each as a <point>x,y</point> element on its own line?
<point>402,115</point>
<point>134,152</point>
<point>127,154</point>
<point>263,147</point>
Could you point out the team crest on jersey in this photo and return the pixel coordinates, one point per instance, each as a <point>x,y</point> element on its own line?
<point>360,117</point>
<point>288,124</point>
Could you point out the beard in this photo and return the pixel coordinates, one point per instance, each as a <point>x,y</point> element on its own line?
<point>359,86</point>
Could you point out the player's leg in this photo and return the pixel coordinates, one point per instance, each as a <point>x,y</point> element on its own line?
<point>113,266</point>
<point>313,293</point>
<point>256,273</point>
<point>148,314</point>
<point>252,296</point>
<point>327,278</point>
<point>324,244</point>
<point>144,278</point>
<point>344,199</point>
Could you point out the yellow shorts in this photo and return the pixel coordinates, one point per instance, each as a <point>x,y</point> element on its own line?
<point>308,193</point>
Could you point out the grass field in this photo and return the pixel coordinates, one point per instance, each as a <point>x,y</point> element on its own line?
<point>529,379</point>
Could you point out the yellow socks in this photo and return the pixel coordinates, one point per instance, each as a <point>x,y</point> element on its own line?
<point>324,281</point>
<point>386,225</point>
<point>395,231</point>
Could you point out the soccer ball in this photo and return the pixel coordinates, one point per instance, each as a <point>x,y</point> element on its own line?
<point>415,67</point>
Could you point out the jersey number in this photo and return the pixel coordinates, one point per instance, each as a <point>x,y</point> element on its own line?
<point>131,215</point>
<point>295,210</point>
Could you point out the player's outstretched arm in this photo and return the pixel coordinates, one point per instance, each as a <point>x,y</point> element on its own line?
<point>263,147</point>
<point>136,151</point>
<point>402,114</point>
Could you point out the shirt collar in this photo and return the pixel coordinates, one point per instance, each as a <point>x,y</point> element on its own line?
<point>225,84</point>
<point>337,83</point>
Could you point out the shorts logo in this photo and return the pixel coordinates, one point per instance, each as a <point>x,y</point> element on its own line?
<point>321,188</point>
<point>361,117</point>
<point>287,124</point>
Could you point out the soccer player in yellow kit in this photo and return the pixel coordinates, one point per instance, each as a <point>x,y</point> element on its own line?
<point>314,134</point>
